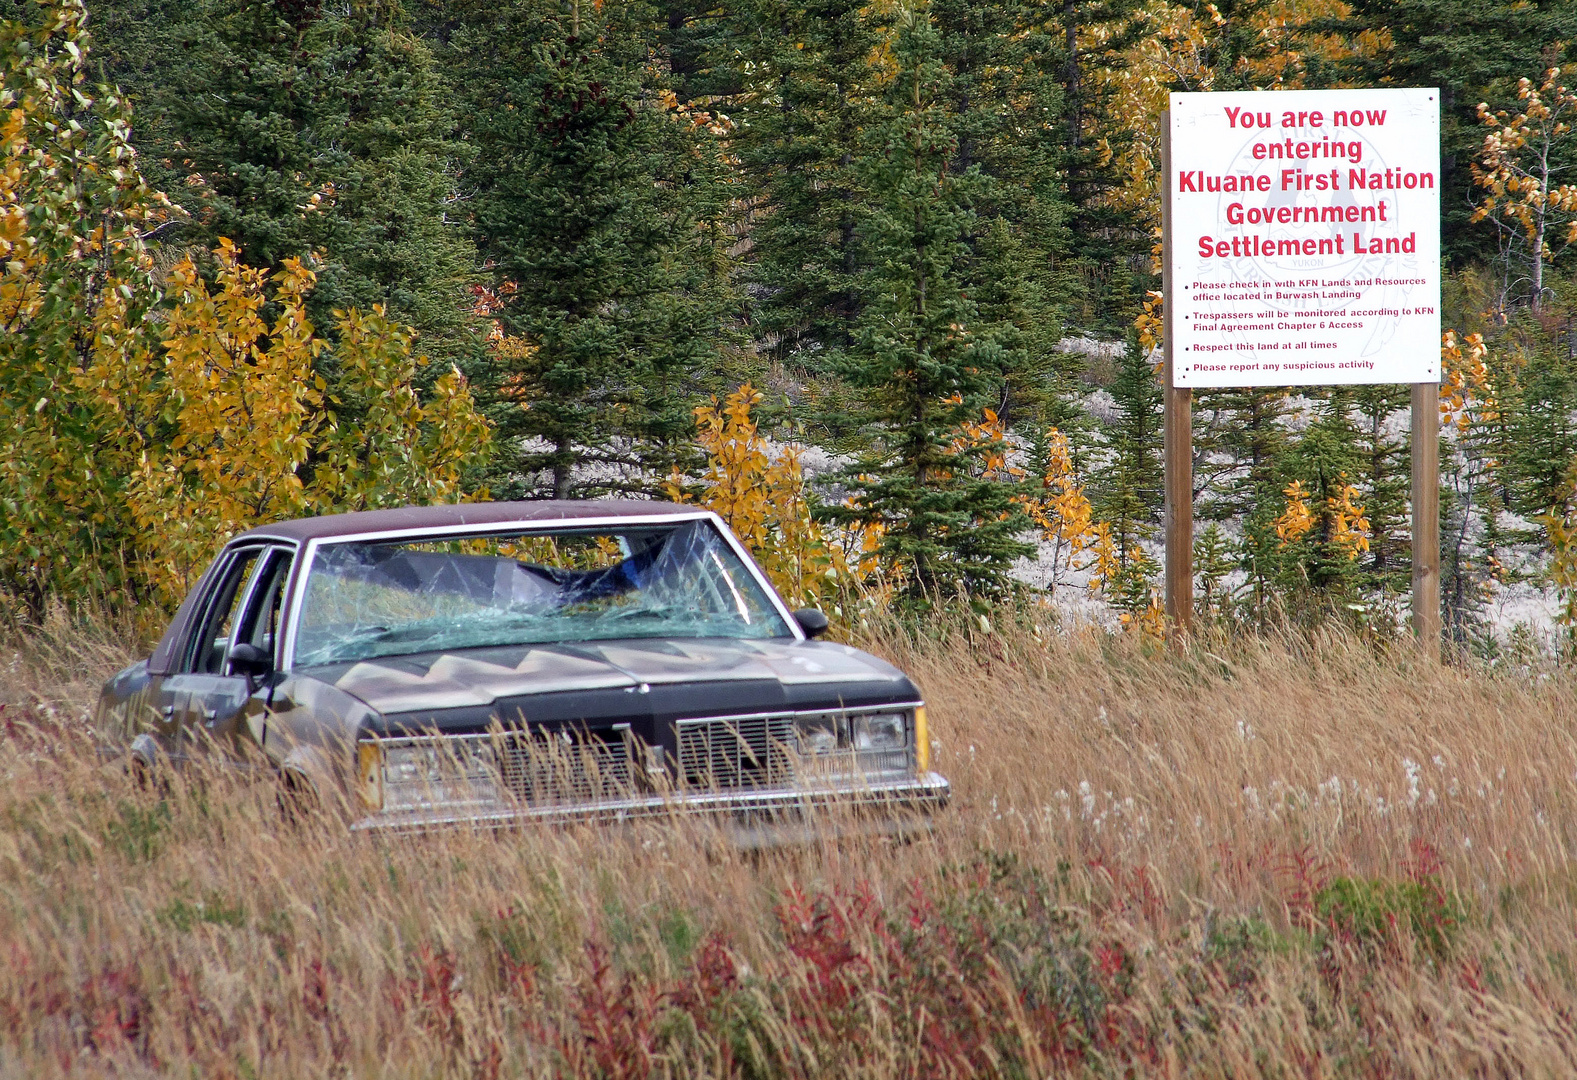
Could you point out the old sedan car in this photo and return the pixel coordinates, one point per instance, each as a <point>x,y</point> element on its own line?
<point>505,662</point>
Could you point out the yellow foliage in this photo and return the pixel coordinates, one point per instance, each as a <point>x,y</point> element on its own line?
<point>507,347</point>
<point>1525,192</point>
<point>1108,563</point>
<point>248,410</point>
<point>1464,378</point>
<point>988,438</point>
<point>1149,624</point>
<point>761,495</point>
<point>75,297</point>
<point>1063,514</point>
<point>859,546</point>
<point>1349,528</point>
<point>1178,49</point>
<point>132,446</point>
<point>1560,525</point>
<point>1150,322</point>
<point>1295,520</point>
<point>1142,612</point>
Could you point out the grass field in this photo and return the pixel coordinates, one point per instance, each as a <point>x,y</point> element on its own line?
<point>1259,859</point>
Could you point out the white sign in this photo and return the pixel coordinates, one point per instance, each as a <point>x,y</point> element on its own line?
<point>1305,237</point>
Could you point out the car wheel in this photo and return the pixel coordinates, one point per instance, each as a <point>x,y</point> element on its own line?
<point>147,772</point>
<point>298,799</point>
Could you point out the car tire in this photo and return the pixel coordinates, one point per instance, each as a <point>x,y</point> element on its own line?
<point>299,801</point>
<point>146,767</point>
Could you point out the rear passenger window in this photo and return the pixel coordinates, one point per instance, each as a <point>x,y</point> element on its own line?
<point>205,653</point>
<point>260,623</point>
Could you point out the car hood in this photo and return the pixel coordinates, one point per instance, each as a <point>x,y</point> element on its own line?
<point>472,678</point>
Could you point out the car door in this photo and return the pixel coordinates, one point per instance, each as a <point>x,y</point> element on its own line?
<point>235,712</point>
<point>207,706</point>
<point>192,654</point>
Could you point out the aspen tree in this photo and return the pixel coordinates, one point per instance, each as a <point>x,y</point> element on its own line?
<point>1522,169</point>
<point>761,493</point>
<point>76,301</point>
<point>257,434</point>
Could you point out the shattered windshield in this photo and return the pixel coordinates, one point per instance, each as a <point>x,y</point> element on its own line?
<point>366,600</point>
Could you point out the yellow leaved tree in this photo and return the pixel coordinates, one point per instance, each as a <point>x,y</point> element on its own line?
<point>1066,521</point>
<point>258,435</point>
<point>1342,525</point>
<point>1560,525</point>
<point>1519,168</point>
<point>1296,520</point>
<point>76,299</point>
<point>1198,47</point>
<point>140,427</point>
<point>760,492</point>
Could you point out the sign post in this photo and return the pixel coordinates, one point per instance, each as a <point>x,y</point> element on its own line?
<point>1301,246</point>
<point>1426,516</point>
<point>1177,434</point>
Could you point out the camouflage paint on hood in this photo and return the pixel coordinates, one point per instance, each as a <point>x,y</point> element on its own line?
<point>479,677</point>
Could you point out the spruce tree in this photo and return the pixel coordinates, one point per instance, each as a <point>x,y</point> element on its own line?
<point>296,128</point>
<point>922,354</point>
<point>1546,421</point>
<point>1320,569</point>
<point>1129,489</point>
<point>1462,573</point>
<point>1215,557</point>
<point>1006,108</point>
<point>1240,433</point>
<point>806,100</point>
<point>1101,277</point>
<point>810,85</point>
<point>598,205</point>
<point>1240,441</point>
<point>1384,474</point>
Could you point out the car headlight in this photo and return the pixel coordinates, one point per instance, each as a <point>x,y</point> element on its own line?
<point>817,734</point>
<point>840,744</point>
<point>883,731</point>
<point>411,765</point>
<point>432,772</point>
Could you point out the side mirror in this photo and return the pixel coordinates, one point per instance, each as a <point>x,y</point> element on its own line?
<point>813,622</point>
<point>247,659</point>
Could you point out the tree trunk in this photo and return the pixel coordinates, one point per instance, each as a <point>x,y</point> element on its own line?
<point>561,470</point>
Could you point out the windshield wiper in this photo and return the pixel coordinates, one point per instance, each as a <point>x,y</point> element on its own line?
<point>670,611</point>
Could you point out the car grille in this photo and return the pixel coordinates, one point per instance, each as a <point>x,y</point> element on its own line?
<point>547,769</point>
<point>735,752</point>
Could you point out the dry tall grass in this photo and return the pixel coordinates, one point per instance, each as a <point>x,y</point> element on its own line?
<point>1261,859</point>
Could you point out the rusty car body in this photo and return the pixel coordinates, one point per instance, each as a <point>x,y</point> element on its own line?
<point>498,663</point>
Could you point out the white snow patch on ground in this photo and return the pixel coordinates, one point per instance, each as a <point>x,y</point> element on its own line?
<point>1086,345</point>
<point>1102,406</point>
<point>1524,612</point>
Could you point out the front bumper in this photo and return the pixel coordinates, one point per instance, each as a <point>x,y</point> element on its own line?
<point>749,813</point>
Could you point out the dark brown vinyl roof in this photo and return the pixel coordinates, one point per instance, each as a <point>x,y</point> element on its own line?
<point>447,516</point>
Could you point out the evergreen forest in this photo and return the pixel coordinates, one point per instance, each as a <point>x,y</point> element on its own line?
<point>879,280</point>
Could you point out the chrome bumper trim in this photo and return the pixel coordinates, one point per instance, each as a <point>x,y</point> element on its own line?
<point>926,793</point>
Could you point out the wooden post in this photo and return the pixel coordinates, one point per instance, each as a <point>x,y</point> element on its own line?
<point>1426,517</point>
<point>1178,429</point>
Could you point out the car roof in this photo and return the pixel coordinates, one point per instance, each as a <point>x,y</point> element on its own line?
<point>446,516</point>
